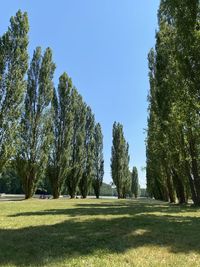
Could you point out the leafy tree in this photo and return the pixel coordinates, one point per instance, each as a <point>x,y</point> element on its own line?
<point>127,175</point>
<point>62,124</point>
<point>35,132</point>
<point>78,109</point>
<point>135,182</point>
<point>13,67</point>
<point>157,159</point>
<point>9,181</point>
<point>120,162</point>
<point>88,172</point>
<point>173,139</point>
<point>98,160</point>
<point>107,190</point>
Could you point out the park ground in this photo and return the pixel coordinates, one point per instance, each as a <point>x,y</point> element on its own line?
<point>104,232</point>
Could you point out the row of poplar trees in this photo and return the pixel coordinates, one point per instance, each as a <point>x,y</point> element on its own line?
<point>126,181</point>
<point>173,139</point>
<point>45,131</point>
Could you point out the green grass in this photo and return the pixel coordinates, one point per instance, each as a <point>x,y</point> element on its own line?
<point>98,233</point>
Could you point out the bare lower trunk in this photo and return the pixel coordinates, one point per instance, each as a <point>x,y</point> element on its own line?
<point>180,190</point>
<point>170,187</point>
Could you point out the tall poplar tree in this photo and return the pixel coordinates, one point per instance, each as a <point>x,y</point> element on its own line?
<point>88,172</point>
<point>173,139</point>
<point>127,175</point>
<point>98,160</point>
<point>120,161</point>
<point>62,123</point>
<point>35,132</point>
<point>13,67</point>
<point>76,163</point>
<point>135,182</point>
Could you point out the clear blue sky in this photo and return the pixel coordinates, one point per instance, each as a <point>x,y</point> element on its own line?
<point>103,46</point>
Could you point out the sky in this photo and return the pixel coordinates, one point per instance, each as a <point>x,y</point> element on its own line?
<point>103,46</point>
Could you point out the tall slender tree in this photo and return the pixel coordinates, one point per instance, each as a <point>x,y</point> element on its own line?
<point>35,123</point>
<point>98,160</point>
<point>13,67</point>
<point>135,182</point>
<point>126,188</point>
<point>120,161</point>
<point>78,109</point>
<point>173,139</point>
<point>60,153</point>
<point>88,172</point>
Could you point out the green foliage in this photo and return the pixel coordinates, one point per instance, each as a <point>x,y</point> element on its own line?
<point>107,190</point>
<point>98,160</point>
<point>60,153</point>
<point>135,182</point>
<point>10,182</point>
<point>89,146</point>
<point>76,163</point>
<point>173,139</point>
<point>120,162</point>
<point>13,67</point>
<point>35,134</point>
<point>49,133</point>
<point>143,192</point>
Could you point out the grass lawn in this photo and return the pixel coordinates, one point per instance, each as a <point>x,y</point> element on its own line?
<point>98,233</point>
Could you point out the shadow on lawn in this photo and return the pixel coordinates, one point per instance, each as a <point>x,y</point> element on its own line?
<point>73,238</point>
<point>130,207</point>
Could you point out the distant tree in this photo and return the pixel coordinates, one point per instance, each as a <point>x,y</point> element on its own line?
<point>62,123</point>
<point>13,67</point>
<point>107,190</point>
<point>89,146</point>
<point>135,183</point>
<point>120,161</point>
<point>98,160</point>
<point>35,134</point>
<point>143,192</point>
<point>9,181</point>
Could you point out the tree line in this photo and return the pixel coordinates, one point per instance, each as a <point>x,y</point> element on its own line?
<point>49,136</point>
<point>173,135</point>
<point>44,131</point>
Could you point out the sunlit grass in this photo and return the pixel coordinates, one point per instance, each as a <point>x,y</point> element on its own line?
<point>98,233</point>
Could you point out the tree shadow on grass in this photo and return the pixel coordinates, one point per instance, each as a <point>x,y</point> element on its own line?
<point>130,208</point>
<point>74,237</point>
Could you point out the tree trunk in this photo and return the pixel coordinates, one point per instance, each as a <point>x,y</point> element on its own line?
<point>56,194</point>
<point>179,186</point>
<point>170,187</point>
<point>192,186</point>
<point>29,186</point>
<point>55,189</point>
<point>188,173</point>
<point>97,191</point>
<point>195,171</point>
